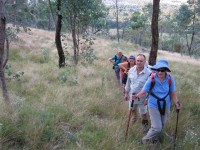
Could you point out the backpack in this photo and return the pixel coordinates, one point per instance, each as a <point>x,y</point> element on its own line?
<point>114,63</point>
<point>161,110</point>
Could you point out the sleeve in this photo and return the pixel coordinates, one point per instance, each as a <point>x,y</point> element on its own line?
<point>173,85</point>
<point>147,85</point>
<point>113,58</point>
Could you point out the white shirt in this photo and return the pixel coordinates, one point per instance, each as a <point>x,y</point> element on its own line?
<point>135,82</point>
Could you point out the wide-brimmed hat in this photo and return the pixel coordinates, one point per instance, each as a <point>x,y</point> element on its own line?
<point>162,63</point>
<point>132,57</point>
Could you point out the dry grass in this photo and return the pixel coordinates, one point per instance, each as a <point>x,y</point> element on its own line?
<point>92,109</point>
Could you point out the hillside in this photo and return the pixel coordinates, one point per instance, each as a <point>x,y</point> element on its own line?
<point>82,107</point>
<point>128,7</point>
<point>144,2</point>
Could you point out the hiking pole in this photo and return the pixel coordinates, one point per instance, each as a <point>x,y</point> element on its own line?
<point>129,118</point>
<point>175,135</point>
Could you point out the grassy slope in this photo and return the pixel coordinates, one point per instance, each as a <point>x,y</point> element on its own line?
<point>51,114</point>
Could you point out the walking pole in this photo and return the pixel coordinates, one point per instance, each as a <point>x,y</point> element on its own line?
<point>175,135</point>
<point>129,118</point>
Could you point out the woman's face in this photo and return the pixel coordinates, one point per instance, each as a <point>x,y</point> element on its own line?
<point>132,61</point>
<point>161,72</point>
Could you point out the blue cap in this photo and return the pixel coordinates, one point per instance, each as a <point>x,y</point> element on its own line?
<point>132,57</point>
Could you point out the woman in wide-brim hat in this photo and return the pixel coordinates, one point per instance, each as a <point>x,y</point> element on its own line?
<point>159,100</point>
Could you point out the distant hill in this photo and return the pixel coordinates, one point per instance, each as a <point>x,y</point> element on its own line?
<point>143,2</point>
<point>127,7</point>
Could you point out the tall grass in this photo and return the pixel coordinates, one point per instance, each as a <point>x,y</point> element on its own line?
<point>79,108</point>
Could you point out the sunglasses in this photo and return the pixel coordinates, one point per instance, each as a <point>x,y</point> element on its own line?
<point>161,70</point>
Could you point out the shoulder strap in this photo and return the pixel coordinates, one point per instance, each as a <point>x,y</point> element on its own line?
<point>152,75</point>
<point>169,79</point>
<point>153,80</point>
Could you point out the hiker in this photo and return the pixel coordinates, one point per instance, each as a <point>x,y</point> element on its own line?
<point>124,67</point>
<point>137,77</point>
<point>161,88</point>
<point>115,60</point>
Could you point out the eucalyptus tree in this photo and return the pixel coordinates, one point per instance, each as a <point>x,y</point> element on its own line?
<point>117,18</point>
<point>32,13</point>
<point>80,15</point>
<point>2,44</point>
<point>140,23</point>
<point>58,35</point>
<point>192,30</point>
<point>188,20</point>
<point>155,33</point>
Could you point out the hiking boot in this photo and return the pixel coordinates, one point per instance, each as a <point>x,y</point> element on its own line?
<point>150,141</point>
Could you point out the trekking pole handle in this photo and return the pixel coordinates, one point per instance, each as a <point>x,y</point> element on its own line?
<point>135,96</point>
<point>178,104</point>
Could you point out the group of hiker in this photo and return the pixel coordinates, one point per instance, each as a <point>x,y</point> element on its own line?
<point>149,90</point>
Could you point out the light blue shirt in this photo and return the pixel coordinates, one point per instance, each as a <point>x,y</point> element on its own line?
<point>160,89</point>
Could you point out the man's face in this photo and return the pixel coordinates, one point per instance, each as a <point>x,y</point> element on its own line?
<point>140,61</point>
<point>120,54</point>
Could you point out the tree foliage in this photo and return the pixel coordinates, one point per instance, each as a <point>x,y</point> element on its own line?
<point>80,16</point>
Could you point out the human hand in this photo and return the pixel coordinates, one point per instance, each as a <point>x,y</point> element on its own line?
<point>145,102</point>
<point>134,96</point>
<point>178,105</point>
<point>126,97</point>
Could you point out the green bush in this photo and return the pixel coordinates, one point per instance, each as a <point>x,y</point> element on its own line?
<point>11,75</point>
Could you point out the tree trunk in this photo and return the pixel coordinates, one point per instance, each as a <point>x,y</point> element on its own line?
<point>193,32</point>
<point>75,45</point>
<point>57,36</point>
<point>52,15</point>
<point>14,12</point>
<point>2,42</point>
<point>117,20</point>
<point>74,38</point>
<point>161,37</point>
<point>155,34</point>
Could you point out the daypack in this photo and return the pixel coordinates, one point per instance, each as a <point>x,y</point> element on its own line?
<point>161,110</point>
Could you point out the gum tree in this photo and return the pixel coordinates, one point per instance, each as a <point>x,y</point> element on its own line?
<point>2,45</point>
<point>80,15</point>
<point>155,33</point>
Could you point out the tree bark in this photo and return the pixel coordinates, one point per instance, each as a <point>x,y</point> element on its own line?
<point>51,12</point>
<point>74,38</point>
<point>14,12</point>
<point>57,36</point>
<point>117,20</point>
<point>2,43</point>
<point>193,32</point>
<point>155,34</point>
